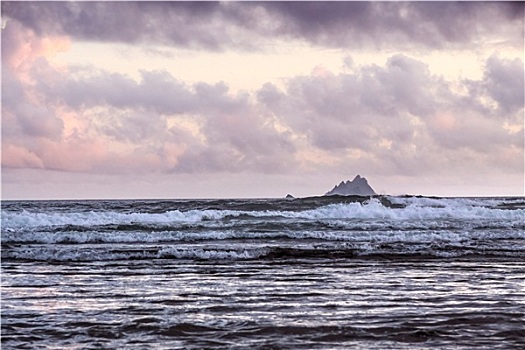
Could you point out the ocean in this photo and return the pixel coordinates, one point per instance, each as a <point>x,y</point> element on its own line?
<point>383,272</point>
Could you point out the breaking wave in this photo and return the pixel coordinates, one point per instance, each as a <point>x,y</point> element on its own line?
<point>420,209</point>
<point>248,229</point>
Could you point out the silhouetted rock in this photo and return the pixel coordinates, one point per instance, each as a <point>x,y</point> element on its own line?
<point>358,187</point>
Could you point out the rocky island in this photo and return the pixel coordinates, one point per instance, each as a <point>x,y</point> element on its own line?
<point>357,187</point>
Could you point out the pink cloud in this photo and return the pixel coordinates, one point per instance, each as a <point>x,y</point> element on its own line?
<point>398,118</point>
<point>19,157</point>
<point>21,48</point>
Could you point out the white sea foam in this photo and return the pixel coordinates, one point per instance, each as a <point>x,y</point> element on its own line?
<point>73,254</point>
<point>416,209</point>
<point>361,234</point>
<point>425,209</point>
<point>70,237</point>
<point>127,251</point>
<point>11,220</point>
<point>241,251</point>
<point>211,254</point>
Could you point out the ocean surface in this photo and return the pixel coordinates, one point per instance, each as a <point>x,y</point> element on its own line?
<point>313,273</point>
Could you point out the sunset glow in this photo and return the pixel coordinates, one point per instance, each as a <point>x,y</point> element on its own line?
<point>261,99</point>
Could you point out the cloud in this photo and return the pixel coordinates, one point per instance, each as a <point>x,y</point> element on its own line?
<point>24,112</point>
<point>392,118</point>
<point>395,24</point>
<point>403,115</point>
<point>95,121</point>
<point>504,83</point>
<point>249,25</point>
<point>19,157</point>
<point>157,90</point>
<point>344,111</point>
<point>133,22</point>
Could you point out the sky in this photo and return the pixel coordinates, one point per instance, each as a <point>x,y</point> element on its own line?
<point>261,99</point>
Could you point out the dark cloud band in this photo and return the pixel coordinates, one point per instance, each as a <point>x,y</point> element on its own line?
<point>222,25</point>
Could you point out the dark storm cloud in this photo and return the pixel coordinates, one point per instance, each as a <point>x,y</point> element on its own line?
<point>219,25</point>
<point>394,24</point>
<point>180,23</point>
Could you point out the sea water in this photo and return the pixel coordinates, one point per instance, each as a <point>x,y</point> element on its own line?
<point>312,273</point>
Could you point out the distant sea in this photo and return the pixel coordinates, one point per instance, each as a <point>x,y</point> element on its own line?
<point>335,272</point>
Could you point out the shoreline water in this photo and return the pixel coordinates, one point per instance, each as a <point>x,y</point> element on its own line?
<point>407,273</point>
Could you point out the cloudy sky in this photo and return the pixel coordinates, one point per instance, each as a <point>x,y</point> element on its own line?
<point>261,99</point>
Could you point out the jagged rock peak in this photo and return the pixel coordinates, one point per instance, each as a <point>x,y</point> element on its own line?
<point>358,186</point>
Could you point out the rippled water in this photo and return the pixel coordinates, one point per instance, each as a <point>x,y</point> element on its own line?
<point>319,273</point>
